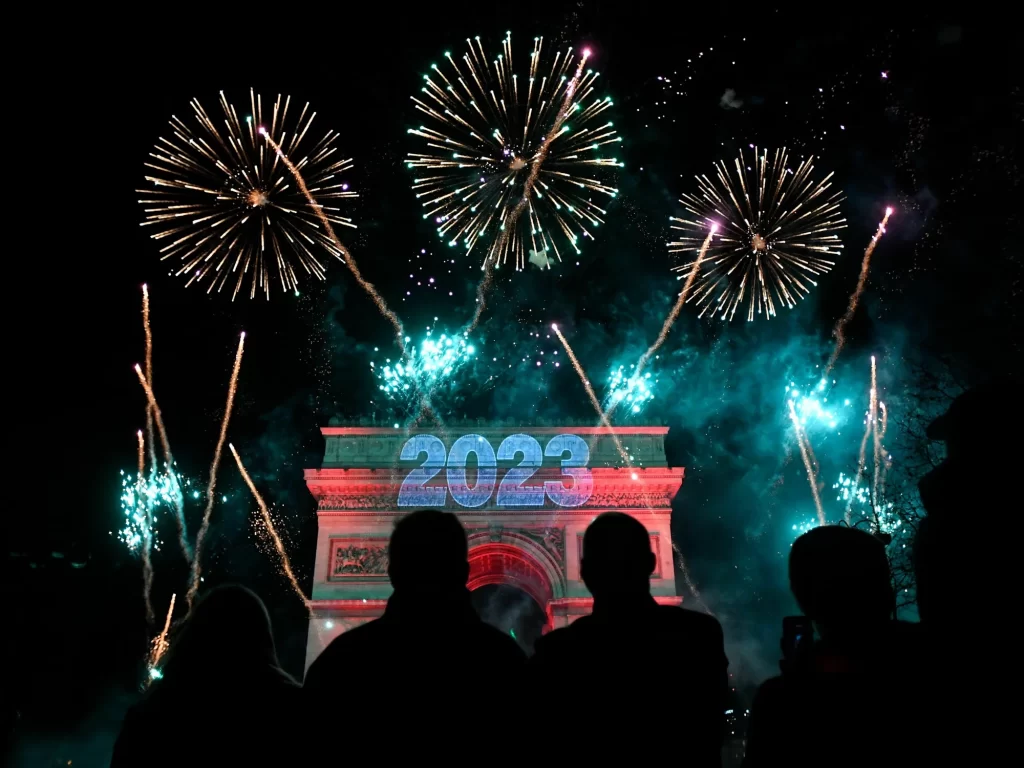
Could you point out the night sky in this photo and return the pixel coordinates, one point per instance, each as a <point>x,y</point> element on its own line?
<point>935,138</point>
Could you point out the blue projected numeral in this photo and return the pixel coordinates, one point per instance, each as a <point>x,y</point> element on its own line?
<point>512,492</point>
<point>486,472</point>
<point>575,467</point>
<point>414,491</point>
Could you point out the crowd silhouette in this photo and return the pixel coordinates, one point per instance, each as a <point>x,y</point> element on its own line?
<point>429,679</point>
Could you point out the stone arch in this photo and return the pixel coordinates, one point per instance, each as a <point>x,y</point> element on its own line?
<point>518,561</point>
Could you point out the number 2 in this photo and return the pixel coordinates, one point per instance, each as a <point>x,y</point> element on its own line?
<point>512,492</point>
<point>414,491</point>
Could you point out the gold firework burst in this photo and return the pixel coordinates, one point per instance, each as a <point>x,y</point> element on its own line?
<point>776,233</point>
<point>227,207</point>
<point>514,165</point>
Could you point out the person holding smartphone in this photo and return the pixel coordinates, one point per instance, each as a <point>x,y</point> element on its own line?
<point>843,661</point>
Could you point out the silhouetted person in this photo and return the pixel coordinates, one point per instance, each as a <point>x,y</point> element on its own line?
<point>633,675</point>
<point>851,697</point>
<point>963,549</point>
<point>223,698</point>
<point>426,668</point>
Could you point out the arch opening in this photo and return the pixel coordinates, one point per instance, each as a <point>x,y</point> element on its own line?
<point>512,611</point>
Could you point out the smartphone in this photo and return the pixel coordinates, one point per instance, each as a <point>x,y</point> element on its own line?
<point>797,637</point>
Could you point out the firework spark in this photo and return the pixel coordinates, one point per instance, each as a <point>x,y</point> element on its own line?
<point>631,388</point>
<point>778,234</point>
<point>840,329</point>
<point>142,496</point>
<point>179,508</point>
<point>286,564</point>
<point>512,165</point>
<point>805,453</point>
<point>423,369</point>
<point>160,645</point>
<point>193,586</point>
<point>225,206</point>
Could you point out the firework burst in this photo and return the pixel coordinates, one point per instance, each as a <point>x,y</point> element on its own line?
<point>514,166</point>
<point>630,389</point>
<point>225,205</point>
<point>142,497</point>
<point>427,367</point>
<point>777,234</point>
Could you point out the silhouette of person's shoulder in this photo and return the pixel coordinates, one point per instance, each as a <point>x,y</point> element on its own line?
<point>357,642</point>
<point>379,637</point>
<point>692,627</point>
<point>685,620</point>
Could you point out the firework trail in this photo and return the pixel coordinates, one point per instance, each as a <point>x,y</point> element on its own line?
<point>779,230</point>
<point>868,428</point>
<point>879,462</point>
<point>193,586</point>
<point>689,581</point>
<point>590,393</point>
<point>861,460</point>
<point>481,295</point>
<point>179,508</point>
<point>147,543</point>
<point>160,644</point>
<point>674,314</point>
<point>147,538</point>
<point>348,260</point>
<point>805,452</point>
<point>840,329</point>
<point>149,373</point>
<point>626,460</point>
<point>881,450</point>
<point>278,544</point>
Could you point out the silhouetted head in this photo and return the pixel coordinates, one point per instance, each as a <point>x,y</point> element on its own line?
<point>617,557</point>
<point>227,634</point>
<point>840,578</point>
<point>978,466</point>
<point>974,478</point>
<point>428,553</point>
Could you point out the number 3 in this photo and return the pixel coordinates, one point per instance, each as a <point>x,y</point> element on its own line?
<point>575,467</point>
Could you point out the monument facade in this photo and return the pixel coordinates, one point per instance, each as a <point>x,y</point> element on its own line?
<point>525,495</point>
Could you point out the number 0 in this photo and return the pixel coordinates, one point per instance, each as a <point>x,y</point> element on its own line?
<point>487,470</point>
